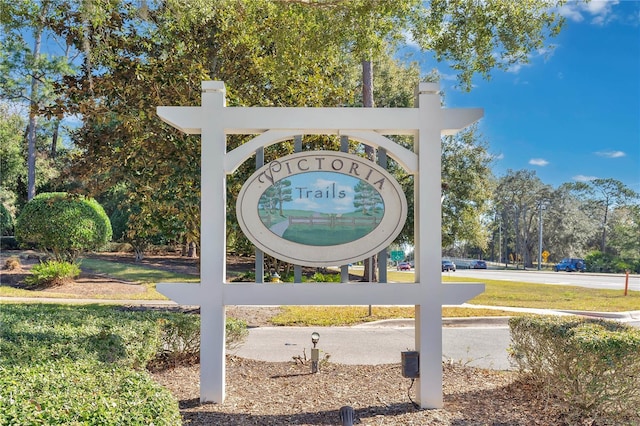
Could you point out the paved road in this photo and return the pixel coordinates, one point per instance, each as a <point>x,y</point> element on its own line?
<point>587,279</point>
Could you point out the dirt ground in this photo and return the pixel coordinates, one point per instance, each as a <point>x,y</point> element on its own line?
<point>264,393</point>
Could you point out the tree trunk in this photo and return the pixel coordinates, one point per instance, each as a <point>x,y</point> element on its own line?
<point>33,120</point>
<point>54,140</point>
<point>139,252</point>
<point>370,265</point>
<point>192,252</point>
<point>603,242</point>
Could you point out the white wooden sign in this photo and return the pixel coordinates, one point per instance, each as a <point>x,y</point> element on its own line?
<point>321,208</point>
<point>426,123</point>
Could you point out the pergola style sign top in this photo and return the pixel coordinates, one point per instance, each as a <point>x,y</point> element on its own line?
<point>426,123</point>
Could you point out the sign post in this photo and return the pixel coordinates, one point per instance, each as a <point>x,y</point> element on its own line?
<point>426,123</point>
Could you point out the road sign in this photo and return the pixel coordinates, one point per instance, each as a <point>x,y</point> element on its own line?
<point>397,255</point>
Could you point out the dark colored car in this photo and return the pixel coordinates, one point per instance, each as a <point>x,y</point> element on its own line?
<point>478,264</point>
<point>448,265</point>
<point>571,265</point>
<point>404,266</point>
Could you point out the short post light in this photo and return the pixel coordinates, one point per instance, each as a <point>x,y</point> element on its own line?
<point>315,352</point>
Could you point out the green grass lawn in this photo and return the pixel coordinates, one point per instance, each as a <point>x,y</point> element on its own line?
<point>135,273</point>
<point>540,296</point>
<point>140,274</point>
<point>497,293</point>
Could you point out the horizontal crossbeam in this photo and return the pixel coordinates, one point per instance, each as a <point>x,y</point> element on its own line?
<point>325,294</point>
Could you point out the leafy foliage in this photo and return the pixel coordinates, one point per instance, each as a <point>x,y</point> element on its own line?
<point>83,393</point>
<point>593,366</point>
<point>64,224</point>
<point>52,273</point>
<point>467,185</point>
<point>63,364</point>
<point>6,221</point>
<point>605,262</point>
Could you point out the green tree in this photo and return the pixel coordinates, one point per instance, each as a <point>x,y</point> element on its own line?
<point>168,47</point>
<point>28,74</point>
<point>11,159</point>
<point>568,230</point>
<point>603,195</point>
<point>517,197</point>
<point>624,234</point>
<point>467,187</point>
<point>63,224</point>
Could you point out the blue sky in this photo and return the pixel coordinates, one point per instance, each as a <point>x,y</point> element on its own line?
<point>572,114</point>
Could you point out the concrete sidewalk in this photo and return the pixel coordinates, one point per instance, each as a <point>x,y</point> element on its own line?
<point>484,347</point>
<point>480,342</point>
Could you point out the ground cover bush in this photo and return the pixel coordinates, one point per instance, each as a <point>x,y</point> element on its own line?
<point>591,365</point>
<point>62,364</point>
<point>52,273</point>
<point>82,393</point>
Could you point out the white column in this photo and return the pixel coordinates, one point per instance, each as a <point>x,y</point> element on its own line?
<point>212,244</point>
<point>428,329</point>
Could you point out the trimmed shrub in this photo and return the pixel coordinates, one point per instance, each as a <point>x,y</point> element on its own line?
<point>52,273</point>
<point>592,365</point>
<point>236,332</point>
<point>180,339</point>
<point>62,364</point>
<point>64,224</point>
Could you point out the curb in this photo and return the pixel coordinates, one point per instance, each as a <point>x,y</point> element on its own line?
<point>606,315</point>
<point>446,322</point>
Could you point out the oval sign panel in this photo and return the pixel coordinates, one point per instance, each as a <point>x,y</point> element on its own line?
<point>321,208</point>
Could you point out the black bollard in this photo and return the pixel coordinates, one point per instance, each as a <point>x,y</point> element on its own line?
<point>347,415</point>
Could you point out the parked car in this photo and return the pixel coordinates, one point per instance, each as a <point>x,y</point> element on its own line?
<point>448,265</point>
<point>404,266</point>
<point>570,264</point>
<point>478,264</point>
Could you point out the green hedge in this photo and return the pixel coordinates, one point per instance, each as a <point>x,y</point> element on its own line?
<point>591,365</point>
<point>86,365</point>
<point>32,334</point>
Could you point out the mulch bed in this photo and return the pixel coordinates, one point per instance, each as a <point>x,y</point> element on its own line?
<point>286,393</point>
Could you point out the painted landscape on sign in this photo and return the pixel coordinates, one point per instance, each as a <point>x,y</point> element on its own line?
<point>321,208</point>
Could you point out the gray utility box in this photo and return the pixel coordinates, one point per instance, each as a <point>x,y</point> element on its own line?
<point>411,364</point>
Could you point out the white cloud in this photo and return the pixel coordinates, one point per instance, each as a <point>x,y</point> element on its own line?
<point>583,178</point>
<point>600,11</point>
<point>538,162</point>
<point>447,77</point>
<point>408,38</point>
<point>611,154</point>
<point>498,156</point>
